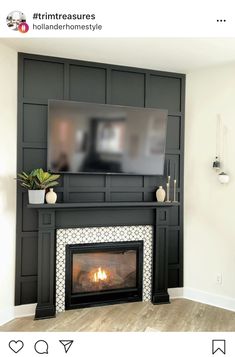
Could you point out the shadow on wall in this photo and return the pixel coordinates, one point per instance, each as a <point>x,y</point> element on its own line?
<point>7,194</point>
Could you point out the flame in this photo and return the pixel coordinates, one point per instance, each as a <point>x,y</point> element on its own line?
<point>99,275</point>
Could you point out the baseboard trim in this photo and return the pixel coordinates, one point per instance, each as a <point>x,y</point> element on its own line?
<point>176,293</point>
<point>223,302</point>
<point>24,310</point>
<point>15,312</point>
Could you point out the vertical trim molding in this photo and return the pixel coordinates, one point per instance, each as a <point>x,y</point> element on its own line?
<point>46,265</point>
<point>160,263</point>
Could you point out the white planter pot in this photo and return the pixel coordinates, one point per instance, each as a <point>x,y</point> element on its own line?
<point>36,196</point>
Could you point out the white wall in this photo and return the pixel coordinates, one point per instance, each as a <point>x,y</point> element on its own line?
<point>8,115</point>
<point>209,246</point>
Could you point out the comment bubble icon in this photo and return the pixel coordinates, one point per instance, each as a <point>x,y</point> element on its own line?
<point>41,347</point>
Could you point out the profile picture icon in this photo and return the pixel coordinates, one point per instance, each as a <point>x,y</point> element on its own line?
<point>16,21</point>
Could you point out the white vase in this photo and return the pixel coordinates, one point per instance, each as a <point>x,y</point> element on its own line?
<point>160,194</point>
<point>51,197</point>
<point>36,196</point>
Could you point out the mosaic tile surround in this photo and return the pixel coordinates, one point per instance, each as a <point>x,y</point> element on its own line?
<point>99,235</point>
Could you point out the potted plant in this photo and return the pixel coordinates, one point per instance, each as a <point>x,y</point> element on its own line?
<point>36,182</point>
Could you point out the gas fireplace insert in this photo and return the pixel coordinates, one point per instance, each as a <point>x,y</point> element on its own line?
<point>103,273</point>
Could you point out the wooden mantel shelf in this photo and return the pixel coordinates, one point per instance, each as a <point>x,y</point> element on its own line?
<point>102,205</point>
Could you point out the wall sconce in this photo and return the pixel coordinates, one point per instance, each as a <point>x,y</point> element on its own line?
<point>221,152</point>
<point>223,178</point>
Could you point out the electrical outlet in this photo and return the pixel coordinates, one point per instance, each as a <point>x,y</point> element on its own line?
<point>219,278</point>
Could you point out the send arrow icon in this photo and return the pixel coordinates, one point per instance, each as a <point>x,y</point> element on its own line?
<point>67,344</point>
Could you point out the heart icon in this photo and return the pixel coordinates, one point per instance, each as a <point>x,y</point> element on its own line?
<point>16,346</point>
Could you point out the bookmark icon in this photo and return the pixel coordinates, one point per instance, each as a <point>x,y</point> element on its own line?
<point>218,346</point>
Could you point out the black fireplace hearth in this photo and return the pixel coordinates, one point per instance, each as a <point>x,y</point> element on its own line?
<point>103,273</point>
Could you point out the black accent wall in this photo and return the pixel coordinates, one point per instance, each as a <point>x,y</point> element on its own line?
<point>41,78</point>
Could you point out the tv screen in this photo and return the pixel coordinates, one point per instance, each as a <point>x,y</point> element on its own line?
<point>101,138</point>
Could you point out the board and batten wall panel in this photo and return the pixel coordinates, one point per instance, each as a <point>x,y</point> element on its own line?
<point>127,88</point>
<point>87,84</point>
<point>42,78</point>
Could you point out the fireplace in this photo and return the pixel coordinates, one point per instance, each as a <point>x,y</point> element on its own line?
<point>63,224</point>
<point>103,273</point>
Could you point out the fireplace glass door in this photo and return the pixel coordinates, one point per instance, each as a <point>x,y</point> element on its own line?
<point>103,272</point>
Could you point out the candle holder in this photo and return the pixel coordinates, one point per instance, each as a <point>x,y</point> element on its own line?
<point>174,192</point>
<point>168,191</point>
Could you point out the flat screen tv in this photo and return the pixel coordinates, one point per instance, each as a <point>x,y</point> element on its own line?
<point>101,138</point>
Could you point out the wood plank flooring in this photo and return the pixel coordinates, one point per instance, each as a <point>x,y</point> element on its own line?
<point>180,315</point>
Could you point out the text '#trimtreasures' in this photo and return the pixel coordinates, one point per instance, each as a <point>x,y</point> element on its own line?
<point>57,16</point>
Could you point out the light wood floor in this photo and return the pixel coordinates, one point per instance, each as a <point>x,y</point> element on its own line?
<point>180,315</point>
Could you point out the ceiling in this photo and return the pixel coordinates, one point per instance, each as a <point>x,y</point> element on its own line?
<point>182,55</point>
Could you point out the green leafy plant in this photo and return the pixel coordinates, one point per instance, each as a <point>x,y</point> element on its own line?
<point>37,180</point>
